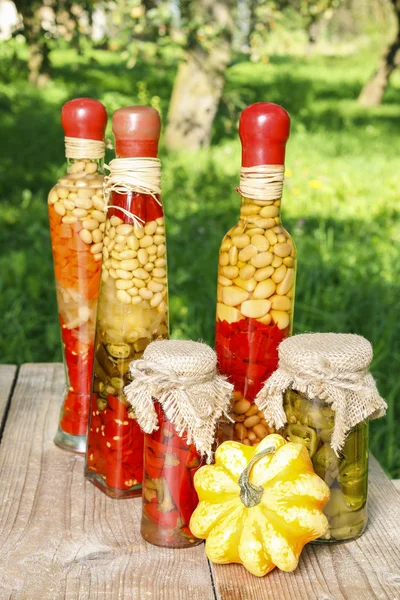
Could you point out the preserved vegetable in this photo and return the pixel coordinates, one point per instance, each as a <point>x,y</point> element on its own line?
<point>256,274</point>
<point>311,423</point>
<point>77,223</point>
<point>169,497</point>
<point>132,311</point>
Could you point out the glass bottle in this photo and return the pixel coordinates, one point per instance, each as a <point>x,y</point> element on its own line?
<point>310,422</point>
<point>256,279</point>
<point>169,496</point>
<point>132,312</point>
<point>77,223</point>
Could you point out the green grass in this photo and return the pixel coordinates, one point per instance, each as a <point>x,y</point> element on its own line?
<point>340,202</point>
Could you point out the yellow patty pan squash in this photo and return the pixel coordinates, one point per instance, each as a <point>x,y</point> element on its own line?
<point>258,506</point>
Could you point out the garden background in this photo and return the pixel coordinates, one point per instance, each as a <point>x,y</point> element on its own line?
<point>330,63</point>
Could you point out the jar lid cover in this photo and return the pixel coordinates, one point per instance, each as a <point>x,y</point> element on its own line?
<point>332,367</point>
<point>182,376</point>
<point>344,352</point>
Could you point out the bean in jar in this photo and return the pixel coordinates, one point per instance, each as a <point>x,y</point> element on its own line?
<point>77,253</point>
<point>256,284</point>
<point>132,312</point>
<point>311,423</point>
<point>77,224</point>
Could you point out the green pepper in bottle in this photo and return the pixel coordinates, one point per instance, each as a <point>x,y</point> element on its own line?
<point>353,481</point>
<point>347,533</point>
<point>337,504</point>
<point>355,446</point>
<point>326,435</point>
<point>326,464</point>
<point>301,434</point>
<point>347,519</point>
<point>321,418</point>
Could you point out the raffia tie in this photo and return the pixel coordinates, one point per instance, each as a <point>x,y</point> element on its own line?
<point>192,402</point>
<point>262,182</point>
<point>353,395</point>
<point>81,148</point>
<point>127,175</point>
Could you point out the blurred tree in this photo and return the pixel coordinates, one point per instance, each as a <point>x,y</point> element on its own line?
<point>311,12</point>
<point>372,92</point>
<point>44,20</point>
<point>35,35</point>
<point>199,82</point>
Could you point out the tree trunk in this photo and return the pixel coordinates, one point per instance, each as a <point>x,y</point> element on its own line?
<point>372,92</point>
<point>200,80</point>
<point>252,5</point>
<point>38,59</point>
<point>38,64</point>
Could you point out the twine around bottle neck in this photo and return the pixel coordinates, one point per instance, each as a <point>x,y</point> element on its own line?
<point>140,175</point>
<point>263,183</point>
<point>80,148</point>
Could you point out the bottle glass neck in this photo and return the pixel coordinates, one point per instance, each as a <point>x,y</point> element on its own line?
<point>250,209</point>
<point>76,163</point>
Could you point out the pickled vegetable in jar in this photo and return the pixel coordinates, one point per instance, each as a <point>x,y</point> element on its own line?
<point>77,223</point>
<point>177,397</point>
<point>322,396</point>
<point>256,273</point>
<point>169,496</point>
<point>310,422</point>
<point>133,301</point>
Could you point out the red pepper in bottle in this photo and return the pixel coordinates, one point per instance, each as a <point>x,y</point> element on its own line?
<point>77,228</point>
<point>256,274</point>
<point>169,496</point>
<point>132,311</point>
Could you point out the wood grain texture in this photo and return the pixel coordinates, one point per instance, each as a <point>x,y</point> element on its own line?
<point>60,537</point>
<point>396,483</point>
<point>7,376</point>
<point>366,569</point>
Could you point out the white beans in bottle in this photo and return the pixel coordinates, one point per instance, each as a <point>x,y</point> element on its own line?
<point>73,202</point>
<point>132,311</point>
<point>256,273</point>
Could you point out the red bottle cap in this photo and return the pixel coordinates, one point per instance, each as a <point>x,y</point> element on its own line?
<point>137,131</point>
<point>263,129</point>
<point>84,118</point>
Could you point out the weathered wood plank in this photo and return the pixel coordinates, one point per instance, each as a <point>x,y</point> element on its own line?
<point>7,376</point>
<point>60,537</point>
<point>366,569</point>
<point>396,483</point>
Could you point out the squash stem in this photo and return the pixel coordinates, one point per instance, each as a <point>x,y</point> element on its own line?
<point>251,494</point>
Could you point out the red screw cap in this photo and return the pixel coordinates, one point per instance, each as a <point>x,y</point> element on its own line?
<point>137,131</point>
<point>84,118</point>
<point>263,129</point>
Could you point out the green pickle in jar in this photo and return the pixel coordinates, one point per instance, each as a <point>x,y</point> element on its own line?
<point>311,422</point>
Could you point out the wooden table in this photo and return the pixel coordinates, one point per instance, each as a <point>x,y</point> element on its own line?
<point>62,538</point>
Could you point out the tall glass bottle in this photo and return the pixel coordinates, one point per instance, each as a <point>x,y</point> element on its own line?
<point>256,273</point>
<point>132,312</point>
<point>77,223</point>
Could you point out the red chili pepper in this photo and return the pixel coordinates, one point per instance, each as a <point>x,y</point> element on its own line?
<point>247,352</point>
<point>116,442</point>
<point>118,476</point>
<point>168,520</point>
<point>153,464</point>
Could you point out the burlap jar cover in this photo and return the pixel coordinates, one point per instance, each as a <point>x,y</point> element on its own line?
<point>182,376</point>
<point>332,367</point>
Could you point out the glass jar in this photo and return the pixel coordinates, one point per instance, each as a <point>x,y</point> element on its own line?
<point>77,223</point>
<point>256,282</point>
<point>311,423</point>
<point>169,496</point>
<point>132,312</point>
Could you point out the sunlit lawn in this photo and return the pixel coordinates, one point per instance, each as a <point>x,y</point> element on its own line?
<point>340,203</point>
